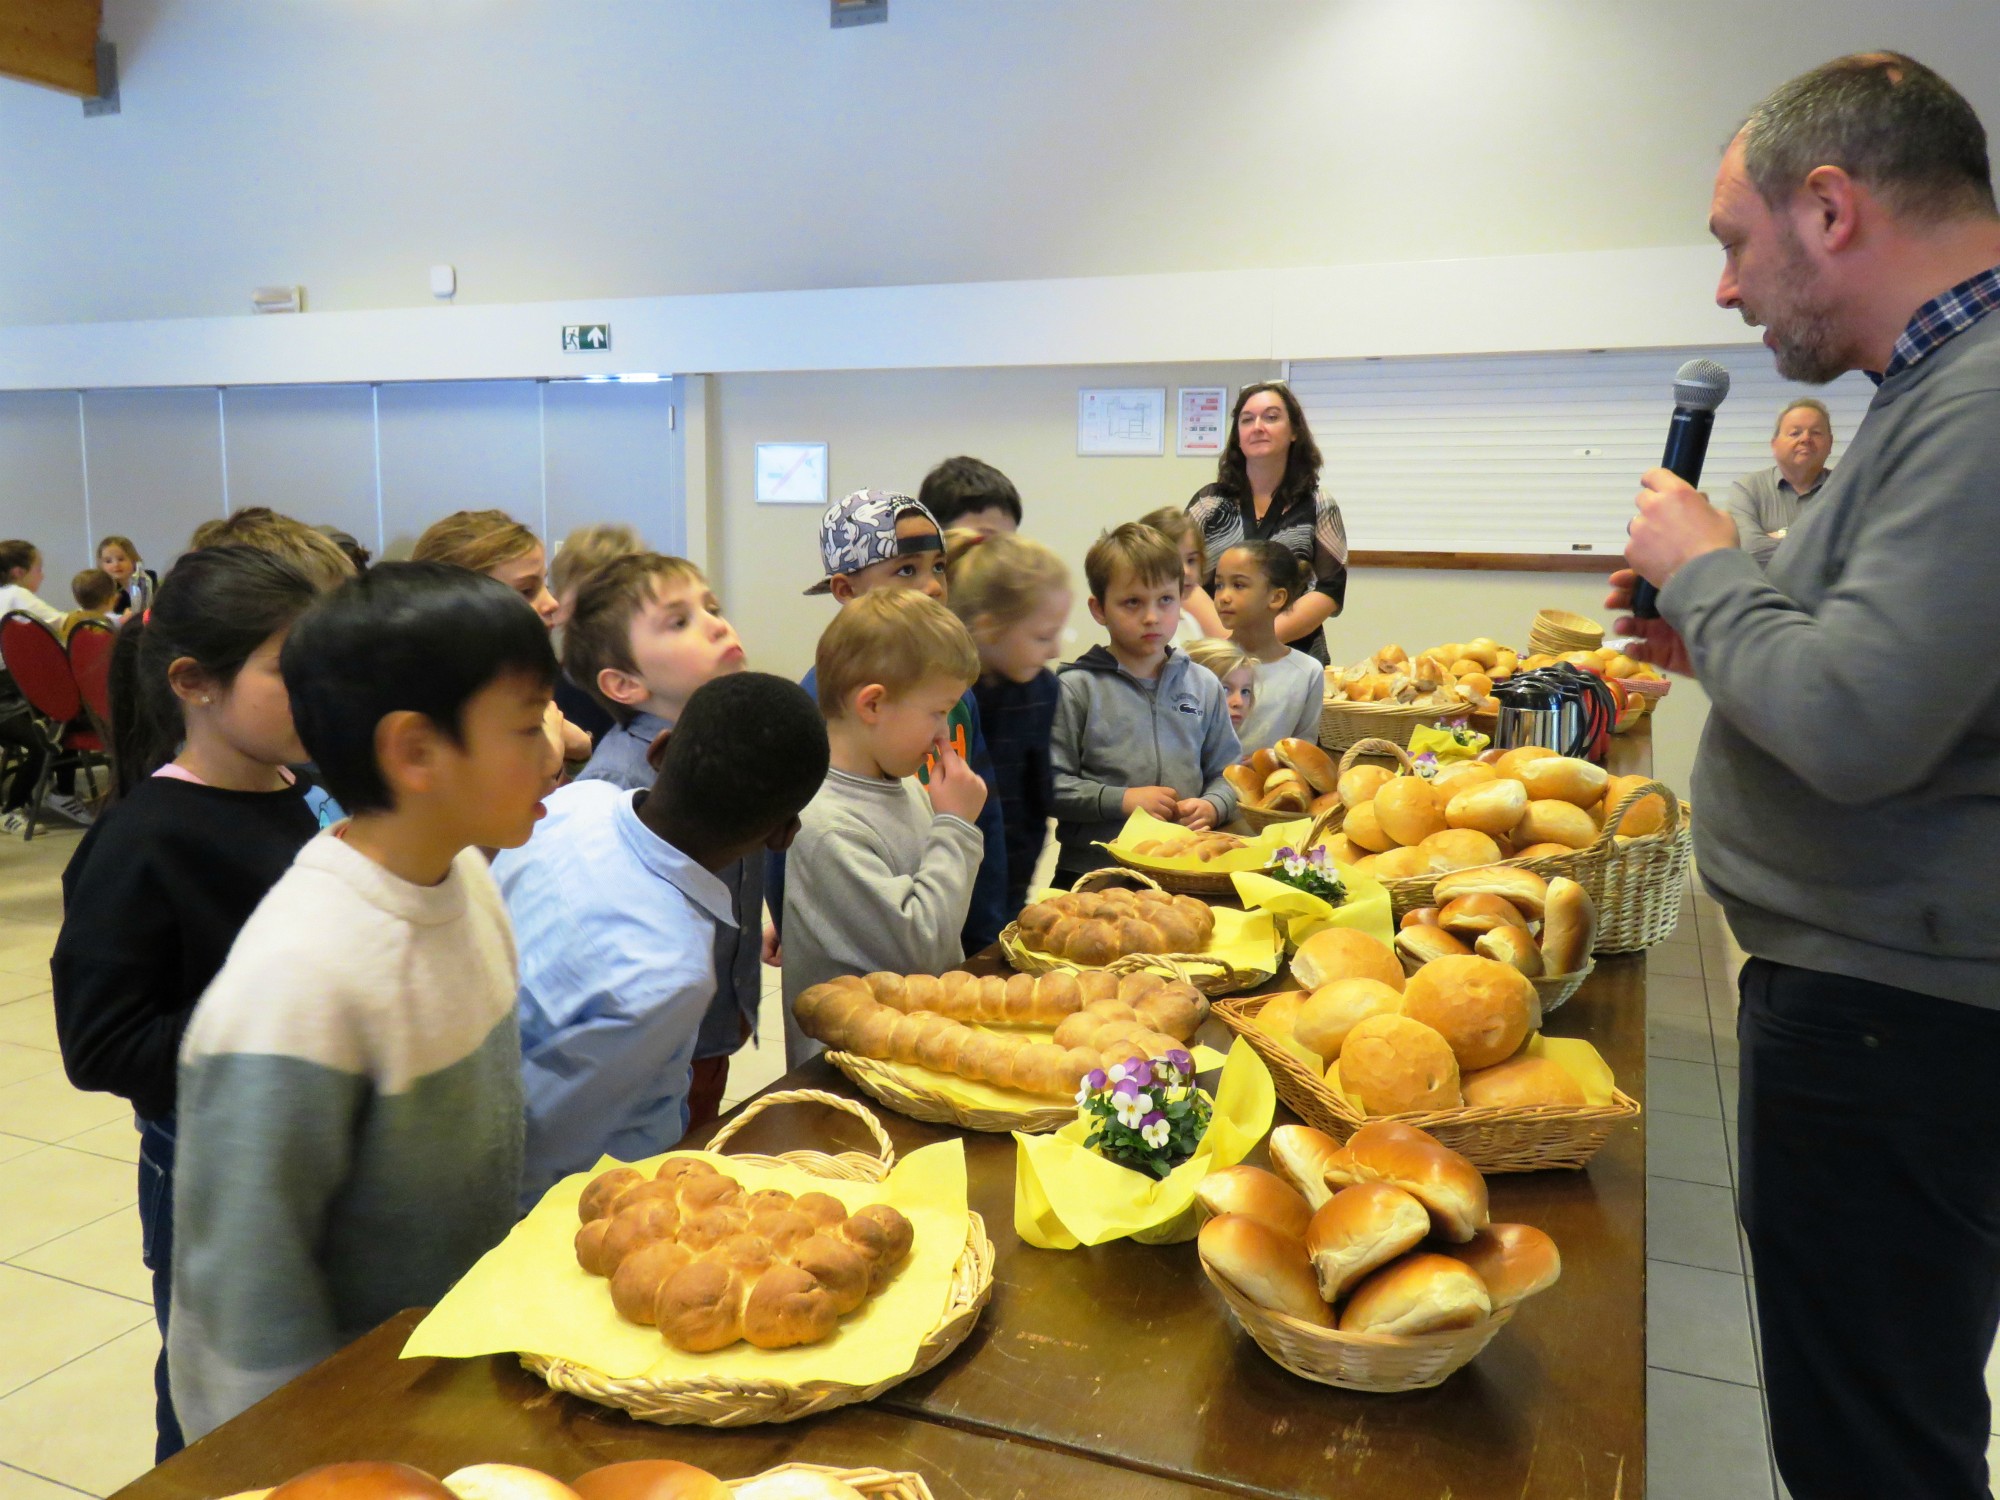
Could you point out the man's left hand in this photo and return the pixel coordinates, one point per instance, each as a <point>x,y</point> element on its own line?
<point>1675,525</point>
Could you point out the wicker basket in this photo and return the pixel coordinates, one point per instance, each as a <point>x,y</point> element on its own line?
<point>1206,972</point>
<point>1342,723</point>
<point>728,1401</point>
<point>1528,1138</point>
<point>1553,989</point>
<point>1257,819</point>
<point>875,1484</point>
<point>888,1084</point>
<point>1179,882</point>
<point>1358,1361</point>
<point>1636,885</point>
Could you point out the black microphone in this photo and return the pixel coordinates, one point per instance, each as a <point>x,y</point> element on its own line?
<point>1699,386</point>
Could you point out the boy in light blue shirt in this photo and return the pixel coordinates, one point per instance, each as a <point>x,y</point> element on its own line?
<point>615,903</point>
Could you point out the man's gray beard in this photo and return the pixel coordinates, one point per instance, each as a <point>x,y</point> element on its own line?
<point>1804,338</point>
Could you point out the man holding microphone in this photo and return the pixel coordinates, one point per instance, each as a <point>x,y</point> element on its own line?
<point>1848,783</point>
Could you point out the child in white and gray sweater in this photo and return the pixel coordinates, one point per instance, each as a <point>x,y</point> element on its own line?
<point>881,873</point>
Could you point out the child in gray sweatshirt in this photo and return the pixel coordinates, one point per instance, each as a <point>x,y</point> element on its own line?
<point>1137,724</point>
<point>880,875</point>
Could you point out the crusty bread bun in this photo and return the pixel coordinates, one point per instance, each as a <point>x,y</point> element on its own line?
<point>1335,1009</point>
<point>1408,810</point>
<point>1563,778</point>
<point>1339,848</point>
<point>1468,916</point>
<point>1264,761</point>
<point>1520,1082</point>
<point>1552,822</point>
<point>1325,802</point>
<point>1360,1229</point>
<point>1309,761</point>
<point>505,1482</point>
<point>1362,783</point>
<point>1647,815</point>
<point>1393,1065</point>
<point>1417,946</point>
<point>1483,1009</point>
<point>1264,1266</point>
<point>1419,916</point>
<point>364,1481</point>
<point>1422,1166</point>
<point>1340,1171</point>
<point>1300,1155</point>
<point>1423,1294</point>
<point>1459,849</point>
<point>1510,763</point>
<point>1512,946</point>
<point>1363,831</point>
<point>604,1190</point>
<point>1483,649</point>
<point>1542,851</point>
<point>1255,1194</point>
<point>1514,1260</point>
<point>1569,927</point>
<point>1522,889</point>
<point>1401,864</point>
<point>650,1479</point>
<point>1248,784</point>
<point>1279,1012</point>
<point>1344,953</point>
<point>1492,807</point>
<point>1459,776</point>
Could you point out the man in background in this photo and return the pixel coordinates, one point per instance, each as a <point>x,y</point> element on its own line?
<point>1765,504</point>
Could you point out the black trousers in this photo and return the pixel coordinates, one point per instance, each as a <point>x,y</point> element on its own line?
<point>1870,1175</point>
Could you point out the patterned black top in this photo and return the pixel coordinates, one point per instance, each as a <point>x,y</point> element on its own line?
<point>1314,533</point>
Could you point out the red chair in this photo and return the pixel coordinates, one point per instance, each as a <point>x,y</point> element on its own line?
<point>40,668</point>
<point>90,643</point>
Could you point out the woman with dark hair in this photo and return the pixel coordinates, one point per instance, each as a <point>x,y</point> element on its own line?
<point>1267,489</point>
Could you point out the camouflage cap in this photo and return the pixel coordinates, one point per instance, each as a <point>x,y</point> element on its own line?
<point>859,530</point>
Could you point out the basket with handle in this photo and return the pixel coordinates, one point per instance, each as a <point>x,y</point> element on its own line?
<point>1636,884</point>
<point>1179,882</point>
<point>902,1089</point>
<point>733,1401</point>
<point>1342,723</point>
<point>1205,971</point>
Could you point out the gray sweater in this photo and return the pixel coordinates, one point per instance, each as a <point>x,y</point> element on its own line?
<point>1845,791</point>
<point>1114,731</point>
<point>875,881</point>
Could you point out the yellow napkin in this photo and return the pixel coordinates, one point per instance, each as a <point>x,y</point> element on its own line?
<point>1366,909</point>
<point>969,1095</point>
<point>529,1296</point>
<point>1254,855</point>
<point>1573,1055</point>
<point>1066,1195</point>
<point>1246,940</point>
<point>1444,746</point>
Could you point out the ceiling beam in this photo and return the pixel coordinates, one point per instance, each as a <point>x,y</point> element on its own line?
<point>52,42</point>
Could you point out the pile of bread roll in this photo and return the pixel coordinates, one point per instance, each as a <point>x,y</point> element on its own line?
<point>1455,677</point>
<point>1292,776</point>
<point>1544,928</point>
<point>1523,804</point>
<point>1099,1019</point>
<point>1188,844</point>
<point>638,1479</point>
<point>1447,1036</point>
<point>692,1254</point>
<point>1100,927</point>
<point>1387,1235</point>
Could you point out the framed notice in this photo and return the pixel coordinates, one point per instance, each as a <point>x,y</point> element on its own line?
<point>791,474</point>
<point>1121,422</point>
<point>1204,409</point>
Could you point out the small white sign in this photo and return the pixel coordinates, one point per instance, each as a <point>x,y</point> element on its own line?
<point>586,338</point>
<point>1121,422</point>
<point>1204,413</point>
<point>791,474</point>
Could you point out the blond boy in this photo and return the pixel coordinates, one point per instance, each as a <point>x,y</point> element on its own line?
<point>881,873</point>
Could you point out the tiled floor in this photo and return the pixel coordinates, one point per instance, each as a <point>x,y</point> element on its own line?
<point>77,1340</point>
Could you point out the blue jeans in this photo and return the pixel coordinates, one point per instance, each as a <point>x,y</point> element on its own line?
<point>156,1230</point>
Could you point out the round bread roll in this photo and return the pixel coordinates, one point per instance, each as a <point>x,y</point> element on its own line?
<point>1514,1260</point>
<point>1264,761</point>
<point>604,1190</point>
<point>1344,953</point>
<point>838,1267</point>
<point>1339,848</point>
<point>1360,1229</point>
<point>1309,761</point>
<point>1363,831</point>
<point>1542,851</point>
<point>823,1209</point>
<point>1569,927</point>
<point>1459,849</point>
<point>650,1479</point>
<point>1248,784</point>
<point>1424,1294</point>
<point>1339,1171</point>
<point>1417,946</point>
<point>1325,802</point>
<point>1300,1155</point>
<point>1493,807</point>
<point>1265,1267</point>
<point>1484,1010</point>
<point>1563,778</point>
<point>1510,762</point>
<point>1335,1009</point>
<point>1279,1012</point>
<point>1465,666</point>
<point>1401,864</point>
<point>1422,1166</point>
<point>1407,810</point>
<point>1362,783</point>
<point>1647,815</point>
<point>590,1247</point>
<point>635,1285</point>
<point>1520,1082</point>
<point>1255,1194</point>
<point>1462,776</point>
<point>505,1482</point>
<point>1512,946</point>
<point>1526,891</point>
<point>1419,916</point>
<point>700,1309</point>
<point>1552,822</point>
<point>1392,1065</point>
<point>787,1307</point>
<point>1468,916</point>
<point>385,1481</point>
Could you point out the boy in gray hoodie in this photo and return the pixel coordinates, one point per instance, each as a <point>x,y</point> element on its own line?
<point>1137,725</point>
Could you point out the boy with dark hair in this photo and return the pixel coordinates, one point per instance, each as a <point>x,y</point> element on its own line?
<point>350,1084</point>
<point>617,904</point>
<point>1138,726</point>
<point>964,492</point>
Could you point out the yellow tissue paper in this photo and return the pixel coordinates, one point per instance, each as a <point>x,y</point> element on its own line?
<point>1366,909</point>
<point>988,1096</point>
<point>1445,746</point>
<point>1573,1055</point>
<point>529,1296</point>
<point>1246,940</point>
<point>1066,1195</point>
<point>1254,855</point>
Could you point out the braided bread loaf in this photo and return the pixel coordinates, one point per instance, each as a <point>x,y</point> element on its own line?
<point>1102,1014</point>
<point>1100,927</point>
<point>690,1253</point>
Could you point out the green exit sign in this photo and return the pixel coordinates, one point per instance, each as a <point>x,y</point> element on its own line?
<point>586,338</point>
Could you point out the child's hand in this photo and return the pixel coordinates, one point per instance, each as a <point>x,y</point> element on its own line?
<point>1155,801</point>
<point>1197,813</point>
<point>955,787</point>
<point>773,951</point>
